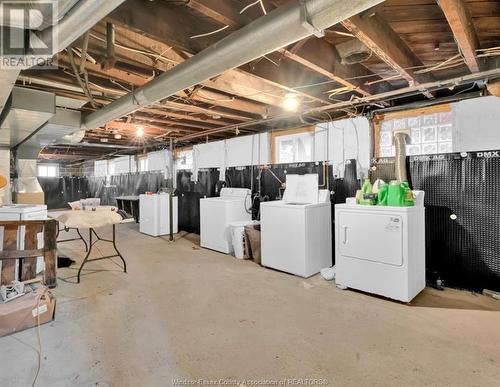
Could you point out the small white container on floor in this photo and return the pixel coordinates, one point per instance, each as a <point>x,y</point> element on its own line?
<point>238,236</point>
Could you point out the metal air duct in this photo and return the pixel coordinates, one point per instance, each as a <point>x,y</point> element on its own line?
<point>64,123</point>
<point>25,112</point>
<point>76,21</point>
<point>281,27</point>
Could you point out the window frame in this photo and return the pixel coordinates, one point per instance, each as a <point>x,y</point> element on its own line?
<point>47,166</point>
<point>275,138</point>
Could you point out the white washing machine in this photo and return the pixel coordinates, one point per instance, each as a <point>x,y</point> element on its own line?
<point>380,250</point>
<point>296,237</point>
<point>233,205</point>
<point>24,212</point>
<point>154,214</point>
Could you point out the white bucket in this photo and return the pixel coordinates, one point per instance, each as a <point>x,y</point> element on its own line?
<point>238,237</point>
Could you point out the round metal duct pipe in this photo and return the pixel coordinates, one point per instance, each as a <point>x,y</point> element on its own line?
<point>281,27</point>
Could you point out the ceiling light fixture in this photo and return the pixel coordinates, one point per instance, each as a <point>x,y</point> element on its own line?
<point>139,131</point>
<point>291,102</point>
<point>118,136</point>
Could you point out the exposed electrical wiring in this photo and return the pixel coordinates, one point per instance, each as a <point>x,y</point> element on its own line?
<point>209,33</point>
<point>86,90</point>
<point>255,3</point>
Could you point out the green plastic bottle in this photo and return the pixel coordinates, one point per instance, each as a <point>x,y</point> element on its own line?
<point>366,195</point>
<point>383,193</point>
<point>409,201</point>
<point>399,195</point>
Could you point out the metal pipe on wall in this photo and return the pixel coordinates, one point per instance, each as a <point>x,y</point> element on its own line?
<point>171,193</point>
<point>279,28</point>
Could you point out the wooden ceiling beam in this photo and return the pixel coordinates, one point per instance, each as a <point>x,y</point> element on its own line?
<point>211,112</point>
<point>379,37</point>
<point>250,102</point>
<point>462,26</point>
<point>168,24</point>
<point>313,53</point>
<point>183,116</point>
<point>96,69</point>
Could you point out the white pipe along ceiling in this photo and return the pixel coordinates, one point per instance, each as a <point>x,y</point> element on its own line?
<point>281,27</point>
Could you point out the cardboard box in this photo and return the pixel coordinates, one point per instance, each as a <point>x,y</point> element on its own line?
<point>22,313</point>
<point>29,198</point>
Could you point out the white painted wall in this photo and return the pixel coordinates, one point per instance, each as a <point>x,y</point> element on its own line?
<point>159,161</point>
<point>125,164</point>
<point>234,152</point>
<point>476,124</point>
<point>248,150</point>
<point>341,140</point>
<point>209,155</point>
<point>101,167</point>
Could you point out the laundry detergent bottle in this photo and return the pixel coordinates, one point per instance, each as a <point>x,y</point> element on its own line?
<point>383,193</point>
<point>399,195</point>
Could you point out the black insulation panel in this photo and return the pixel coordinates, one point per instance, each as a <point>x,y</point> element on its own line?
<point>462,216</point>
<point>61,190</point>
<point>461,198</point>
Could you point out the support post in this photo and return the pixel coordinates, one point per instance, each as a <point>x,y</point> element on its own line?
<point>171,193</point>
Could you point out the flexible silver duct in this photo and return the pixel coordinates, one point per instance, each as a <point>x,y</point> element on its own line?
<point>281,27</point>
<point>400,161</point>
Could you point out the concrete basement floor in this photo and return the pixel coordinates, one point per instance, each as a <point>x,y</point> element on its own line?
<point>189,313</point>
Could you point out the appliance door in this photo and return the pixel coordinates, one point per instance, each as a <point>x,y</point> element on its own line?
<point>148,215</point>
<point>213,224</point>
<point>376,237</point>
<point>283,237</point>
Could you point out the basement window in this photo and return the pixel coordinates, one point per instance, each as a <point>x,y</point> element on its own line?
<point>48,170</point>
<point>143,164</point>
<point>184,159</point>
<point>430,133</point>
<point>294,148</point>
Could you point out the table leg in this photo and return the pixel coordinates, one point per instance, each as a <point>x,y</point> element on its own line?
<point>83,239</point>
<point>116,249</point>
<point>87,256</point>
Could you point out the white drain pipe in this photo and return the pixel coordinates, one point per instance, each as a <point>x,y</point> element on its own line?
<point>281,27</point>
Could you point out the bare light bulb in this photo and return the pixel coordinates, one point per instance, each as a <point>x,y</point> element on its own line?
<point>139,131</point>
<point>291,102</point>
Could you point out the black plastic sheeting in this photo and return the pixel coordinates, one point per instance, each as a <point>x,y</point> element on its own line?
<point>61,190</point>
<point>269,181</point>
<point>462,216</point>
<point>464,251</point>
<point>125,184</point>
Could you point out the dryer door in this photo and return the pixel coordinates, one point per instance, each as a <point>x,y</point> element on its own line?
<point>371,236</point>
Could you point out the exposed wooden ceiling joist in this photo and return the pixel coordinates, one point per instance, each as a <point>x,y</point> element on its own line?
<point>379,37</point>
<point>161,22</point>
<point>315,54</point>
<point>250,99</point>
<point>461,24</point>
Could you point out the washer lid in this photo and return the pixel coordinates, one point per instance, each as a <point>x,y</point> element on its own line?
<point>22,208</point>
<point>301,189</point>
<point>235,192</point>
